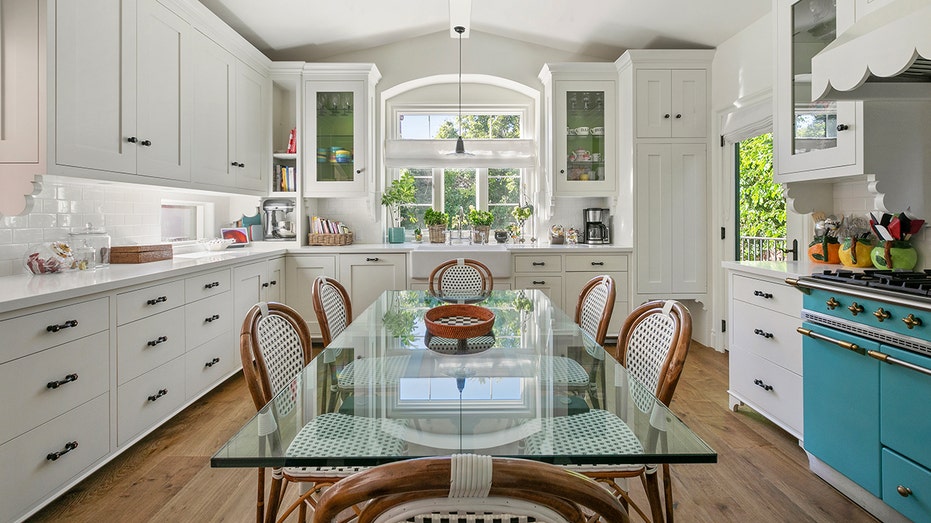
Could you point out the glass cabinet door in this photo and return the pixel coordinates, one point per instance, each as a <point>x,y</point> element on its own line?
<point>334,114</point>
<point>813,134</point>
<point>585,135</point>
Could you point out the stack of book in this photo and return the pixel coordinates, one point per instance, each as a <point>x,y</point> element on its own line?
<point>284,178</point>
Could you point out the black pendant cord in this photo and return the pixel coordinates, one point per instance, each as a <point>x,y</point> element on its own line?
<point>460,146</point>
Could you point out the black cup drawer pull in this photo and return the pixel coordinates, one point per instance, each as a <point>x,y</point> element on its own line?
<point>65,325</point>
<point>764,295</point>
<point>598,263</point>
<point>67,379</point>
<point>161,392</point>
<point>53,456</point>
<point>761,332</point>
<point>154,301</point>
<point>762,385</point>
<point>212,362</point>
<point>538,264</point>
<point>156,341</point>
<point>212,318</point>
<point>212,285</point>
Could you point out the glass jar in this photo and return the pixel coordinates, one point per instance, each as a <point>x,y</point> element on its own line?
<point>95,239</point>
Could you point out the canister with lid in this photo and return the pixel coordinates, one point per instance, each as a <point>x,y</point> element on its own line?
<point>97,242</point>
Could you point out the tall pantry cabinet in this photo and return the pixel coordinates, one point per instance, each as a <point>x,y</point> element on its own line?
<point>664,130</point>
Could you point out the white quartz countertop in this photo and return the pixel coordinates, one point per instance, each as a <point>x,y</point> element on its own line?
<point>781,270</point>
<point>26,290</point>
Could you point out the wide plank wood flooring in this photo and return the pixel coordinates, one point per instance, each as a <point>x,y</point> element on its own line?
<point>761,476</point>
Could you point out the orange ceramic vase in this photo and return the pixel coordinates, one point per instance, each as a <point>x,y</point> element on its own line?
<point>823,251</point>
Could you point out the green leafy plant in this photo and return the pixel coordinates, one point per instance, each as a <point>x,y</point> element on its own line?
<point>401,192</point>
<point>480,218</point>
<point>433,217</point>
<point>522,212</point>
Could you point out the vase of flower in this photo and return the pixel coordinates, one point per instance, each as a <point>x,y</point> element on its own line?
<point>401,192</point>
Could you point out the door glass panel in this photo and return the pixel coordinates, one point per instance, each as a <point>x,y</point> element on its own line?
<point>585,135</point>
<point>814,25</point>
<point>335,145</point>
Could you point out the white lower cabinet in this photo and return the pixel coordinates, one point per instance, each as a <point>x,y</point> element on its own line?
<point>209,363</point>
<point>149,399</point>
<point>540,271</point>
<point>765,350</point>
<point>367,276</point>
<point>549,284</point>
<point>30,472</point>
<point>147,343</point>
<point>300,272</point>
<point>255,282</point>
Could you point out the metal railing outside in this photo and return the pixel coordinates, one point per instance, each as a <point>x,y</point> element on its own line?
<point>757,248</point>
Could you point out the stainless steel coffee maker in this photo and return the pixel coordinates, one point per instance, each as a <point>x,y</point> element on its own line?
<point>596,227</point>
<point>279,220</point>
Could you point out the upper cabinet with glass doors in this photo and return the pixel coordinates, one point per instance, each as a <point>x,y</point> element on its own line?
<point>581,128</point>
<point>339,144</point>
<point>815,139</point>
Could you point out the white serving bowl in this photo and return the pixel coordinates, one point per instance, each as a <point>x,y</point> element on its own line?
<point>218,244</point>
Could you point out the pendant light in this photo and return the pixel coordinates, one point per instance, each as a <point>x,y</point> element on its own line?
<point>460,146</point>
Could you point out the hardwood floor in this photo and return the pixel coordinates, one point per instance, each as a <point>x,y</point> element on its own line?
<point>761,476</point>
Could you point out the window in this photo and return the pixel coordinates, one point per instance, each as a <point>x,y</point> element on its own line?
<point>185,221</point>
<point>495,189</point>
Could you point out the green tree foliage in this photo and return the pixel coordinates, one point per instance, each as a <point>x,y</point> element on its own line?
<point>482,126</point>
<point>762,205</point>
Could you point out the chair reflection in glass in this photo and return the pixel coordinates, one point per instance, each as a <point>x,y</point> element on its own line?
<point>461,278</point>
<point>468,487</point>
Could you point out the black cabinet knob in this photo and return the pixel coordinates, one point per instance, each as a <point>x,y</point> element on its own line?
<point>145,143</point>
<point>666,116</point>
<point>132,139</point>
<point>842,127</point>
<point>678,116</point>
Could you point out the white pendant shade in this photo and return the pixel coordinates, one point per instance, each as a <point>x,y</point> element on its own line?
<point>500,153</point>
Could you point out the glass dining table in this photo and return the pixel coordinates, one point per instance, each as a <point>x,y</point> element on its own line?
<point>534,387</point>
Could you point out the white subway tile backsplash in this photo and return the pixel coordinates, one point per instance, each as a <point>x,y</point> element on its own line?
<point>42,220</point>
<point>6,237</point>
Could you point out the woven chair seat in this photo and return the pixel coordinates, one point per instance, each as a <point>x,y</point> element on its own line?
<point>335,435</point>
<point>595,432</point>
<point>569,372</point>
<point>373,371</point>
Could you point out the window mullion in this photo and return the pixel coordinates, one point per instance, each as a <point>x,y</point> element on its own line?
<point>481,188</point>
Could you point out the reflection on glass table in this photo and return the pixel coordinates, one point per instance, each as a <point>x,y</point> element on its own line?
<point>541,389</point>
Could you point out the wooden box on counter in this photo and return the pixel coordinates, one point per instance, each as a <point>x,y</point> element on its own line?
<point>140,253</point>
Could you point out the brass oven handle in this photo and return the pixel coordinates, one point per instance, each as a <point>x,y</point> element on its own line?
<point>885,358</point>
<point>842,344</point>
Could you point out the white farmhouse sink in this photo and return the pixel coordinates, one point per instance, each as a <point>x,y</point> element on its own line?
<point>427,256</point>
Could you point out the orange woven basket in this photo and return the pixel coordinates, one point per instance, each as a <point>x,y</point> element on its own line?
<point>459,321</point>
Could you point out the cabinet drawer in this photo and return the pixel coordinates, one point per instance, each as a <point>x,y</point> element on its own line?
<point>549,284</point>
<point>899,471</point>
<point>29,401</point>
<point>205,285</point>
<point>541,263</point>
<point>147,343</point>
<point>29,476</point>
<point>149,399</point>
<point>208,363</point>
<point>768,335</point>
<point>768,294</point>
<point>750,376</point>
<point>143,302</point>
<point>48,328</point>
<point>591,262</point>
<point>206,319</point>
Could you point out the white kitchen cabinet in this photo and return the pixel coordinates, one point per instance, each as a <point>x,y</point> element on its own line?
<point>581,268</point>
<point>367,276</point>
<point>765,349</point>
<point>122,88</point>
<point>581,128</point>
<point>672,103</point>
<point>256,282</point>
<point>301,271</point>
<point>540,271</point>
<point>23,99</point>
<point>339,129</point>
<point>251,128</point>
<point>671,234</point>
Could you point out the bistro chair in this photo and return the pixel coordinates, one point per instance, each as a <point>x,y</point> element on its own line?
<point>332,306</point>
<point>275,346</point>
<point>463,277</point>
<point>467,488</point>
<point>595,306</point>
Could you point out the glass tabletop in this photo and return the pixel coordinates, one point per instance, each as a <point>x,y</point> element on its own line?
<point>535,387</point>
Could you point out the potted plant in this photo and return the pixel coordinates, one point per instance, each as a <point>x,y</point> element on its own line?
<point>401,192</point>
<point>481,224</point>
<point>522,213</point>
<point>436,224</point>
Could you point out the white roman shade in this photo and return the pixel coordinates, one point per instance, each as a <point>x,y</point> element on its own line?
<point>493,153</point>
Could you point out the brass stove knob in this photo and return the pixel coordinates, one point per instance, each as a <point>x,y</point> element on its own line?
<point>882,314</point>
<point>832,303</point>
<point>855,308</point>
<point>911,321</point>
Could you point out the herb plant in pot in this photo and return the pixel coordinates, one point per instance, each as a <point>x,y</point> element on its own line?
<point>481,224</point>
<point>436,224</point>
<point>401,192</point>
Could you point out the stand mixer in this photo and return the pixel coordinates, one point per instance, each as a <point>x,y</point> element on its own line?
<point>279,220</point>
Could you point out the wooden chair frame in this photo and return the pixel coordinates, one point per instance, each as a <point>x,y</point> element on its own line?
<point>601,331</point>
<point>571,495</point>
<point>320,310</point>
<point>438,272</point>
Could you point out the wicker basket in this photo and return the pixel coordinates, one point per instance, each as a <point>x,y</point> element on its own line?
<point>316,238</point>
<point>437,233</point>
<point>459,321</point>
